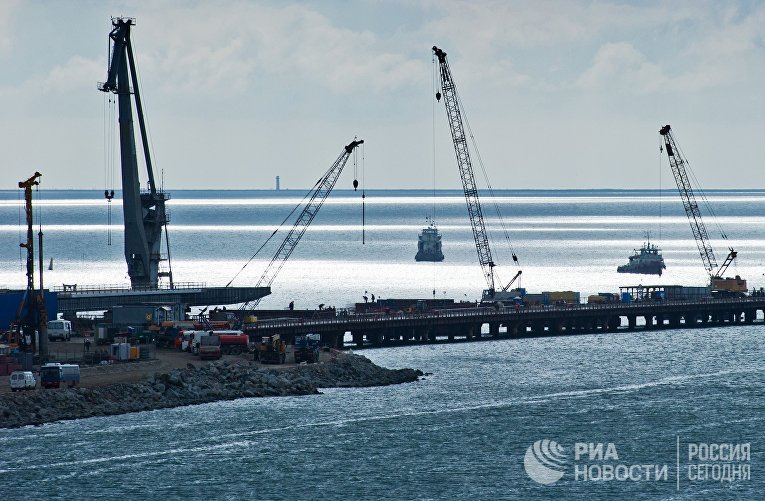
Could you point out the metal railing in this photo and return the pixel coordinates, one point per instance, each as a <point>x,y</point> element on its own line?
<point>109,288</point>
<point>487,313</point>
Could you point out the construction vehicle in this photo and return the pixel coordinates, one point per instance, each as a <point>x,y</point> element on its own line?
<point>272,350</point>
<point>469,186</point>
<point>209,347</point>
<point>30,330</point>
<point>307,348</point>
<point>144,213</point>
<point>725,286</point>
<point>319,193</point>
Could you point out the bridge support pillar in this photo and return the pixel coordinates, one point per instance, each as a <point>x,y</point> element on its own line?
<point>631,322</point>
<point>358,339</point>
<point>674,321</point>
<point>614,323</point>
<point>649,322</point>
<point>750,316</point>
<point>493,329</point>
<point>333,339</point>
<point>375,338</point>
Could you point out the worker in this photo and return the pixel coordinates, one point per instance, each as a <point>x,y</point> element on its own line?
<point>292,305</point>
<point>87,345</point>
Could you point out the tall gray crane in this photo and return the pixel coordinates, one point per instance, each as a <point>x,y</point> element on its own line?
<point>465,167</point>
<point>144,213</point>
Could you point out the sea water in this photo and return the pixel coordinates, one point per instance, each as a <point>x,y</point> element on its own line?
<point>646,406</point>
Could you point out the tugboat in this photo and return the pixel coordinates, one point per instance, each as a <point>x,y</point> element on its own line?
<point>646,261</point>
<point>429,244</point>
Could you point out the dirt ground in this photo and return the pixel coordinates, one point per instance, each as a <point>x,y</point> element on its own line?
<point>163,360</point>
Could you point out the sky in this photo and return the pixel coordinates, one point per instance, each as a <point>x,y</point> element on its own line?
<point>558,94</point>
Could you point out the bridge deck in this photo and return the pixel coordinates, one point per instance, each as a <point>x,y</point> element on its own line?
<point>71,301</point>
<point>381,329</point>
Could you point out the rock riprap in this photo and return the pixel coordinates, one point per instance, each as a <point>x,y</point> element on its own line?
<point>220,380</point>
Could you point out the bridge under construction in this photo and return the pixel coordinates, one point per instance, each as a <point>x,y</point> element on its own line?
<point>472,324</point>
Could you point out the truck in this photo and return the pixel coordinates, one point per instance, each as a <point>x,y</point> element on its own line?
<point>209,347</point>
<point>272,350</point>
<point>231,342</point>
<point>307,348</point>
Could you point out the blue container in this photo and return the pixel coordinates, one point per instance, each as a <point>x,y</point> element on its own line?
<point>626,297</point>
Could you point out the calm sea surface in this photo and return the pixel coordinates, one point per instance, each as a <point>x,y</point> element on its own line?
<point>463,431</point>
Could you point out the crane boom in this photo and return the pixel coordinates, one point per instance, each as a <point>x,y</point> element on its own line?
<point>677,164</point>
<point>465,169</point>
<point>321,190</point>
<point>144,213</point>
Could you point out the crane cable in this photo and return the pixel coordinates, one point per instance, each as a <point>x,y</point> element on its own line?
<point>275,231</point>
<point>433,124</point>
<point>704,199</point>
<point>661,156</point>
<point>363,195</point>
<point>501,219</point>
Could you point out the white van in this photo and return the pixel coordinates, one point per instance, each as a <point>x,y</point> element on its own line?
<point>59,329</point>
<point>22,380</point>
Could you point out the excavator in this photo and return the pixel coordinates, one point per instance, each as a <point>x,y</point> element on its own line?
<point>723,286</point>
<point>469,186</point>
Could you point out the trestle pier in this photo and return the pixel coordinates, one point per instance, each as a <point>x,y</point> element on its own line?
<point>488,322</point>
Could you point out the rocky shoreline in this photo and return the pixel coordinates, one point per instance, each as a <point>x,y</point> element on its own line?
<point>220,380</point>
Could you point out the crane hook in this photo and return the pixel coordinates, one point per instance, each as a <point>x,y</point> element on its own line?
<point>355,184</point>
<point>438,96</point>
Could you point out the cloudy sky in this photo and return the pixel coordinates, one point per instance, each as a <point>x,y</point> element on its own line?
<point>559,94</point>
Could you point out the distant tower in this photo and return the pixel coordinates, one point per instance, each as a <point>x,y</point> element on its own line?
<point>277,183</point>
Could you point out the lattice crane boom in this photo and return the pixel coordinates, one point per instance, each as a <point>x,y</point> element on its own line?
<point>321,190</point>
<point>677,163</point>
<point>465,167</point>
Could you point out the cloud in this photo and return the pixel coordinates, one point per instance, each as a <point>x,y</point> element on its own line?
<point>231,46</point>
<point>8,10</point>
<point>621,66</point>
<point>76,73</point>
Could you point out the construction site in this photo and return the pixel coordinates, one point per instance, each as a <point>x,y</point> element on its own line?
<point>160,322</point>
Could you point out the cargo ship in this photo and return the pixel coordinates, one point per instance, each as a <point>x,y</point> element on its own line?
<point>645,261</point>
<point>429,245</point>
